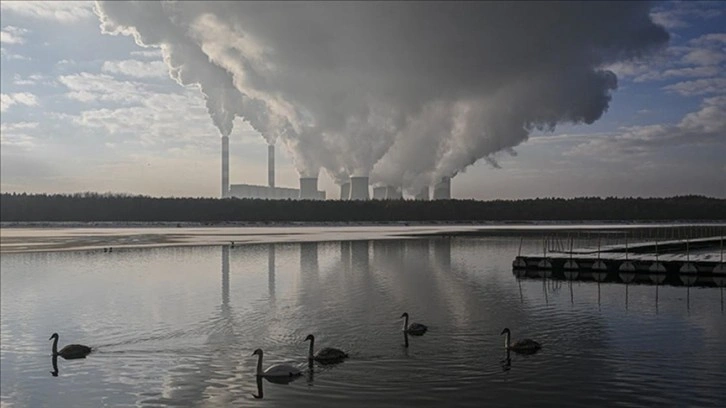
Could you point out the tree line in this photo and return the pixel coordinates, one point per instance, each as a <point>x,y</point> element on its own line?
<point>19,207</point>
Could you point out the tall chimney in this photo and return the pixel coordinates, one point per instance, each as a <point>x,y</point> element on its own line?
<point>271,165</point>
<point>225,166</point>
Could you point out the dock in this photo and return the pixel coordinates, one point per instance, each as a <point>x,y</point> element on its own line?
<point>702,256</point>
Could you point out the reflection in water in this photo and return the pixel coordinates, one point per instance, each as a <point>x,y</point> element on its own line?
<point>168,342</point>
<point>271,271</point>
<point>54,362</point>
<point>626,277</point>
<point>260,392</point>
<point>506,363</point>
<point>643,278</point>
<point>225,277</point>
<point>311,372</point>
<point>658,279</point>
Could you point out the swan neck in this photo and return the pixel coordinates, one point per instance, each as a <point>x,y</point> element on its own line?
<point>405,323</point>
<point>312,346</point>
<point>259,364</point>
<point>507,343</point>
<point>55,346</point>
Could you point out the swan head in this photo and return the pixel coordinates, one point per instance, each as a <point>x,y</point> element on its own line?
<point>257,352</point>
<point>505,331</point>
<point>405,314</point>
<point>53,336</point>
<point>310,337</point>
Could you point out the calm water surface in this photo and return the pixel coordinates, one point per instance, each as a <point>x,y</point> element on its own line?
<point>177,327</point>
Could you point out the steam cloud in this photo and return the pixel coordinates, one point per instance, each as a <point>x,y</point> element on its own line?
<point>406,92</point>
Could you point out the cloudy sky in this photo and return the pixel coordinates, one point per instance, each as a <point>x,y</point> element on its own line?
<point>84,110</point>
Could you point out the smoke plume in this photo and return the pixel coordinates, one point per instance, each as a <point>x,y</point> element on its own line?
<point>407,92</point>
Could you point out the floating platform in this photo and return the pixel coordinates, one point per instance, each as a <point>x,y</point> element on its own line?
<point>636,257</point>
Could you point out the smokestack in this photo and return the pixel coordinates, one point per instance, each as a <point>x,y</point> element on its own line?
<point>225,166</point>
<point>309,188</point>
<point>442,189</point>
<point>423,194</point>
<point>359,188</point>
<point>393,193</point>
<point>345,191</point>
<point>271,165</point>
<point>379,193</point>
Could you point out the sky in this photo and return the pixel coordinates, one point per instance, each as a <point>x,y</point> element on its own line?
<point>85,107</point>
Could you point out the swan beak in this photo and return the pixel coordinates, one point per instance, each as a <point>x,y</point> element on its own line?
<point>51,338</point>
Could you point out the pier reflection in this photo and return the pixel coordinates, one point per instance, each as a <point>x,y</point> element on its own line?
<point>621,277</point>
<point>552,281</point>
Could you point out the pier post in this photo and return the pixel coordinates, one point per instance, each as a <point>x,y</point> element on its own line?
<point>599,265</point>
<point>626,266</point>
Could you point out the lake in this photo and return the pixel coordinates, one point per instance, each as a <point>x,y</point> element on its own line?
<point>177,327</point>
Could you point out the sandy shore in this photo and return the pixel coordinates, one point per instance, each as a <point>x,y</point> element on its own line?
<point>45,239</point>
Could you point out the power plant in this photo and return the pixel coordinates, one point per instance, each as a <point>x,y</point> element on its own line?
<point>308,185</point>
<point>356,188</point>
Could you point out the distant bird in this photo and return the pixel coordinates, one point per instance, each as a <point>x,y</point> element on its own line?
<point>70,351</point>
<point>327,355</point>
<point>526,346</point>
<point>277,370</point>
<point>414,329</point>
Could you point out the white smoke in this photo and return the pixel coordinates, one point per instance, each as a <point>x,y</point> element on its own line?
<point>409,92</point>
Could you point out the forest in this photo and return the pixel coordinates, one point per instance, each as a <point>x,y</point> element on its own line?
<point>80,207</point>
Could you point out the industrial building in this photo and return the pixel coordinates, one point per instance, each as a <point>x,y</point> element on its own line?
<point>357,188</point>
<point>308,185</point>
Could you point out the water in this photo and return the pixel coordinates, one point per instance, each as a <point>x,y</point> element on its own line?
<point>177,327</point>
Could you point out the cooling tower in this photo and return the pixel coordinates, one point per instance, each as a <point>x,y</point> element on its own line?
<point>225,166</point>
<point>271,165</point>
<point>359,188</point>
<point>423,194</point>
<point>393,193</point>
<point>309,188</point>
<point>345,191</point>
<point>379,193</point>
<point>442,189</point>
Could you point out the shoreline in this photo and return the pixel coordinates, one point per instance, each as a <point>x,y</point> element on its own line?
<point>57,237</point>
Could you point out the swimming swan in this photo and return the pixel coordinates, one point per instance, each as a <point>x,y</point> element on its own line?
<point>277,370</point>
<point>327,355</point>
<point>414,329</point>
<point>526,346</point>
<point>70,351</point>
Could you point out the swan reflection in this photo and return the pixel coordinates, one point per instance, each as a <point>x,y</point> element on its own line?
<point>507,362</point>
<point>54,361</point>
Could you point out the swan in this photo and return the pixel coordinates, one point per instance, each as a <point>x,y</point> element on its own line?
<point>277,370</point>
<point>526,346</point>
<point>327,355</point>
<point>414,329</point>
<point>70,351</point>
